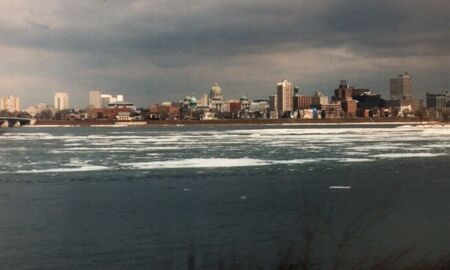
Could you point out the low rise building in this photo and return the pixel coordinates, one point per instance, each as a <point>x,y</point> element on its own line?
<point>124,116</point>
<point>259,108</point>
<point>232,106</point>
<point>438,101</point>
<point>332,110</point>
<point>165,111</point>
<point>309,114</point>
<point>302,102</point>
<point>319,99</point>
<point>107,113</point>
<point>350,107</point>
<point>41,111</point>
<point>367,102</point>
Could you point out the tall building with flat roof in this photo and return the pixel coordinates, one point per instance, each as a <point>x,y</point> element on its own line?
<point>10,104</point>
<point>401,89</point>
<point>61,101</point>
<point>285,97</point>
<point>95,99</point>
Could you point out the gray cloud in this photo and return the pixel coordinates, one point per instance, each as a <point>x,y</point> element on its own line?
<point>155,50</point>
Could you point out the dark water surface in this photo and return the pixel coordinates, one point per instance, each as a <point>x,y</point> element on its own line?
<point>157,198</point>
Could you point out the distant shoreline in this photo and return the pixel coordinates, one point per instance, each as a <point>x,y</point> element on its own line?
<point>252,122</point>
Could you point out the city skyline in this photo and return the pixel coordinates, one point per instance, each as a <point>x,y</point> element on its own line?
<point>152,52</point>
<point>99,99</point>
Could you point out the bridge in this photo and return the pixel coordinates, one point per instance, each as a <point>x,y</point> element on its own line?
<point>14,121</point>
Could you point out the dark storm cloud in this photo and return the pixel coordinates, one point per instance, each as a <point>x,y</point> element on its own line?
<point>238,27</point>
<point>196,34</point>
<point>387,28</point>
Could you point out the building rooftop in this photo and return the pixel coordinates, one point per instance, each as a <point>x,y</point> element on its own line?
<point>121,103</point>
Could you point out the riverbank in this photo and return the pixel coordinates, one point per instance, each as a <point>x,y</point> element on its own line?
<point>350,121</point>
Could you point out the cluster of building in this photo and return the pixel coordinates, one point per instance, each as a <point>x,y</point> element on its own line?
<point>347,101</point>
<point>288,102</point>
<point>111,107</point>
<point>10,105</point>
<point>101,106</point>
<point>212,106</point>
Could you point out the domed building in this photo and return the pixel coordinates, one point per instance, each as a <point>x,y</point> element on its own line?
<point>216,98</point>
<point>216,92</point>
<point>188,108</point>
<point>192,102</point>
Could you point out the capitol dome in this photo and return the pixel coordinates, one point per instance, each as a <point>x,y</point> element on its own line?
<point>216,90</point>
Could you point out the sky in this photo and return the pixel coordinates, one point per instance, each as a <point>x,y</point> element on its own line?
<point>157,50</point>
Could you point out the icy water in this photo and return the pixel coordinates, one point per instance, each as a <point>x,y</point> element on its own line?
<point>214,197</point>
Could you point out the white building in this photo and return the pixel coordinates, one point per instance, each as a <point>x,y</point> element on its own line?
<point>10,104</point>
<point>99,101</point>
<point>61,101</point>
<point>260,106</point>
<point>107,99</point>
<point>95,99</point>
<point>124,116</point>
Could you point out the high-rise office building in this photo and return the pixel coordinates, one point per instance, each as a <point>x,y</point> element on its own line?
<point>95,99</point>
<point>61,101</point>
<point>285,100</point>
<point>10,104</point>
<point>401,89</point>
